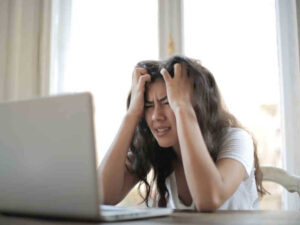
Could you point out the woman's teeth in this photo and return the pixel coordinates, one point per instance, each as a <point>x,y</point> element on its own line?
<point>162,129</point>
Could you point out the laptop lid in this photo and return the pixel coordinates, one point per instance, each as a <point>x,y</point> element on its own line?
<point>48,158</point>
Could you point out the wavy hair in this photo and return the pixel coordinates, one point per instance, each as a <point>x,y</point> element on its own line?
<point>213,119</point>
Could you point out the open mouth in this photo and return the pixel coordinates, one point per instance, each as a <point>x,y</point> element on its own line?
<point>162,131</point>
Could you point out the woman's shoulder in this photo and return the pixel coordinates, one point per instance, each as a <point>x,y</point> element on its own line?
<point>236,138</point>
<point>239,145</point>
<point>237,132</point>
<point>236,135</point>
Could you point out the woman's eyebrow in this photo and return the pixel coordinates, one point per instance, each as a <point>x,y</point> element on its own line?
<point>160,100</point>
<point>148,102</point>
<point>163,98</point>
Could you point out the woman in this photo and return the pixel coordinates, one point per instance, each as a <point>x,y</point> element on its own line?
<point>177,125</point>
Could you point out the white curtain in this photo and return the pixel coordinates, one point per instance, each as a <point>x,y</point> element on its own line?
<point>288,25</point>
<point>24,48</point>
<point>60,37</point>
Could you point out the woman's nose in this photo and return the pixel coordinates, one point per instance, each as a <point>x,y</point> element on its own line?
<point>158,113</point>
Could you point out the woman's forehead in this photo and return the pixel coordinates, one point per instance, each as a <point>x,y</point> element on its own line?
<point>156,89</point>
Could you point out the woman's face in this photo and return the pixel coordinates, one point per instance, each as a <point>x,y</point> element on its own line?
<point>159,115</point>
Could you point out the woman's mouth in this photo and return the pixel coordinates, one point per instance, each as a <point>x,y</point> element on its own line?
<point>161,131</point>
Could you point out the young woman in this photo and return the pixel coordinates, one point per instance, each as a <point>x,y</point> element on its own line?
<point>177,125</point>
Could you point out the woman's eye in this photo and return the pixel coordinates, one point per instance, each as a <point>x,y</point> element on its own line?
<point>166,103</point>
<point>148,106</point>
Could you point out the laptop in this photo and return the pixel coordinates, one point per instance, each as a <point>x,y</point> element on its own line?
<point>48,161</point>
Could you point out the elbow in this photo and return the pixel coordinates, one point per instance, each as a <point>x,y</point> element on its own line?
<point>209,204</point>
<point>109,201</point>
<point>106,197</point>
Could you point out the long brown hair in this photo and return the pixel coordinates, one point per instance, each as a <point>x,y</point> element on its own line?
<point>213,118</point>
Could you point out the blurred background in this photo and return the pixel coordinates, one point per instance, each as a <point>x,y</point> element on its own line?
<point>235,40</point>
<point>54,47</point>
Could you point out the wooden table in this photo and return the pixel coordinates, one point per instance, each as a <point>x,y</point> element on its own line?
<point>216,218</point>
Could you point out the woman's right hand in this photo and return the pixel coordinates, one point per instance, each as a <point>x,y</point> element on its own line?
<point>139,79</point>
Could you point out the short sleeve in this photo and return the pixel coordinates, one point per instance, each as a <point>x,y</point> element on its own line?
<point>238,145</point>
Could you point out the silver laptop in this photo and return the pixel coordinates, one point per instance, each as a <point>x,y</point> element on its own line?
<point>48,161</point>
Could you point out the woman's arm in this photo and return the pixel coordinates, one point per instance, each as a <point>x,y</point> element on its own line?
<point>210,184</point>
<point>113,176</point>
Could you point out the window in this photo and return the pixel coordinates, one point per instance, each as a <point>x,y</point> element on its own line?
<point>107,39</point>
<point>236,41</point>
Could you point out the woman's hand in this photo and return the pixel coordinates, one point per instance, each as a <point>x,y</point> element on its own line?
<point>179,88</point>
<point>139,79</point>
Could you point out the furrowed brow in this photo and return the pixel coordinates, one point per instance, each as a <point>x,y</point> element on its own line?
<point>149,102</point>
<point>163,98</point>
<point>152,102</point>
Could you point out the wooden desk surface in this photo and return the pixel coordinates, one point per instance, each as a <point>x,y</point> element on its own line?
<point>216,218</point>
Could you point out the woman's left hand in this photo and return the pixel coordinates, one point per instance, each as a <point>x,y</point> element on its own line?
<point>179,88</point>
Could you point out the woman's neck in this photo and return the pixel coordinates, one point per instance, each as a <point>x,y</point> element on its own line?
<point>176,148</point>
<point>178,165</point>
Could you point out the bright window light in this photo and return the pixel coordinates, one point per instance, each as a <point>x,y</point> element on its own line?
<point>107,39</point>
<point>236,41</point>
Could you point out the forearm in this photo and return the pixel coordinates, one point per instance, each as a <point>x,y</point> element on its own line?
<point>203,177</point>
<point>112,170</point>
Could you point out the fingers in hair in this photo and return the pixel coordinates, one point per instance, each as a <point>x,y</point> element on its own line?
<point>143,79</point>
<point>165,75</point>
<point>138,71</point>
<point>177,70</point>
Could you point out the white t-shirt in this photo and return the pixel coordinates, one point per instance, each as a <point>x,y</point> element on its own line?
<point>238,145</point>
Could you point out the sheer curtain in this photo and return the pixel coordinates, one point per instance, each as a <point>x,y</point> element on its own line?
<point>24,48</point>
<point>61,17</point>
<point>288,25</point>
<point>106,40</point>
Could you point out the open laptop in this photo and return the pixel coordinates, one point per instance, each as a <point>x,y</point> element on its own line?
<point>48,161</point>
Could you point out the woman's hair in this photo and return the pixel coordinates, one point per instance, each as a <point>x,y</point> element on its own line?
<point>213,118</point>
